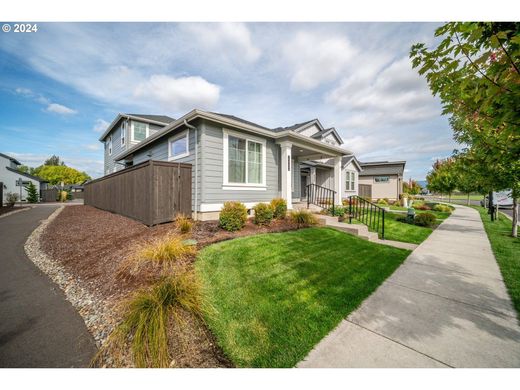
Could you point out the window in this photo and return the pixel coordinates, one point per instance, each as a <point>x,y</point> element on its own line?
<point>123,133</point>
<point>110,145</point>
<point>178,146</point>
<point>244,160</point>
<point>350,181</point>
<point>140,131</point>
<point>381,179</point>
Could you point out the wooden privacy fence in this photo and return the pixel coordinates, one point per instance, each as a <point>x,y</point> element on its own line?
<point>152,192</point>
<point>49,195</point>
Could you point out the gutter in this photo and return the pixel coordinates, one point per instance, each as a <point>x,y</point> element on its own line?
<point>196,165</point>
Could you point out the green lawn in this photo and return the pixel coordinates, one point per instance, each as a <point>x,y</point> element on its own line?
<point>507,252</point>
<point>276,295</point>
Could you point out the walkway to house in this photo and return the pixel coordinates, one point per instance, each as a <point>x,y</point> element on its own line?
<point>38,326</point>
<point>446,306</point>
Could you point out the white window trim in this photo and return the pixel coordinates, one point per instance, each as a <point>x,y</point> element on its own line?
<point>110,145</point>
<point>233,186</point>
<point>123,133</point>
<point>132,139</point>
<point>184,134</point>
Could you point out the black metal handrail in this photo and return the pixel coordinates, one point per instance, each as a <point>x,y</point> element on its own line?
<point>320,196</point>
<point>367,213</point>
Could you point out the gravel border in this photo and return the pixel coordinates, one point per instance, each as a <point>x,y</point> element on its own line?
<point>97,314</point>
<point>16,211</point>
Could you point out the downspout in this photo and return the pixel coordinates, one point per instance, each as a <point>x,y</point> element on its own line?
<point>196,166</point>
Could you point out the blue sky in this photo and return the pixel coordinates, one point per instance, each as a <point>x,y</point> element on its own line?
<point>61,86</point>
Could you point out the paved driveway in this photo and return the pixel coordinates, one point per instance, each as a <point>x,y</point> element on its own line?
<point>38,326</point>
<point>446,306</point>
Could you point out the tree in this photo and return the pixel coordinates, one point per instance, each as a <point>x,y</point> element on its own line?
<point>469,176</point>
<point>26,169</point>
<point>56,174</point>
<point>411,187</point>
<point>475,70</point>
<point>54,161</point>
<point>32,193</point>
<point>442,177</point>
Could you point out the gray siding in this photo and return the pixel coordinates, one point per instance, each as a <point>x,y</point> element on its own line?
<point>159,151</point>
<point>213,161</point>
<point>116,149</point>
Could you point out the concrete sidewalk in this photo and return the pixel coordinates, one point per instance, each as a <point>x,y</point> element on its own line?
<point>446,306</point>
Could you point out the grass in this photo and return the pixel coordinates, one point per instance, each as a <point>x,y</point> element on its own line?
<point>506,250</point>
<point>145,320</point>
<point>276,295</point>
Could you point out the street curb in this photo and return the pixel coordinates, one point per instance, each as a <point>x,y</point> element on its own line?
<point>16,211</point>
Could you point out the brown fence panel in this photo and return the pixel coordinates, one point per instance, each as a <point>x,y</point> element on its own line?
<point>152,192</point>
<point>77,195</point>
<point>49,195</point>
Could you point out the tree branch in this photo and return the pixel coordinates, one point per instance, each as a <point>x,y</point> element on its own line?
<point>508,56</point>
<point>478,69</point>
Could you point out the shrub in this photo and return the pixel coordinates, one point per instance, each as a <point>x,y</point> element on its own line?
<point>425,219</point>
<point>32,193</point>
<point>383,202</point>
<point>337,211</point>
<point>397,203</point>
<point>279,206</point>
<point>233,216</point>
<point>421,206</point>
<point>264,213</point>
<point>442,208</point>
<point>11,198</point>
<point>145,320</point>
<point>184,224</point>
<point>62,196</point>
<point>303,218</point>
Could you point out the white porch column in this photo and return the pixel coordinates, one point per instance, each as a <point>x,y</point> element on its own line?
<point>286,172</point>
<point>313,175</point>
<point>337,180</point>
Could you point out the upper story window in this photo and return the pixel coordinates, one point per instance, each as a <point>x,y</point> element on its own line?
<point>123,133</point>
<point>178,146</point>
<point>350,181</point>
<point>109,142</point>
<point>244,160</point>
<point>381,179</point>
<point>139,131</point>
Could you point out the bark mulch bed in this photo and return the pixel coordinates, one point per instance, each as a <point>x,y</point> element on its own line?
<point>91,244</point>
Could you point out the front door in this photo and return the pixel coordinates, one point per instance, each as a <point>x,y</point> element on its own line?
<point>365,191</point>
<point>303,181</point>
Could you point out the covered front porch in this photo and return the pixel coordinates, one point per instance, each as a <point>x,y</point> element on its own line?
<point>305,162</point>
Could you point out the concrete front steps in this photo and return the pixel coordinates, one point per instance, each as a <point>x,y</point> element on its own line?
<point>361,231</point>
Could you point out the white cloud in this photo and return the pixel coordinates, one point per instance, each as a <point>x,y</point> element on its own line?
<point>100,125</point>
<point>395,95</point>
<point>180,93</point>
<point>230,40</point>
<point>93,147</point>
<point>24,91</point>
<point>60,109</point>
<point>316,59</point>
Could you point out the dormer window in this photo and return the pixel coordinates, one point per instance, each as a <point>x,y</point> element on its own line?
<point>139,131</point>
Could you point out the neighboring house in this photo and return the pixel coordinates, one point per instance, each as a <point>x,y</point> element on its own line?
<point>9,175</point>
<point>381,179</point>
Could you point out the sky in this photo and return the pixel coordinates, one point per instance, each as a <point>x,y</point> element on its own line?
<point>61,86</point>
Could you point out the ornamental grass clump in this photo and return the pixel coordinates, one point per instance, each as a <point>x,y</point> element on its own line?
<point>303,218</point>
<point>183,224</point>
<point>142,335</point>
<point>263,214</point>
<point>442,208</point>
<point>279,206</point>
<point>233,216</point>
<point>425,219</point>
<point>152,259</point>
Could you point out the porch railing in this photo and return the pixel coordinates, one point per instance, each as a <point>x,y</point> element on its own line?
<point>320,196</point>
<point>367,213</point>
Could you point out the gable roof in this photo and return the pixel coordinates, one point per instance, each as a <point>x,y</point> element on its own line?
<point>228,120</point>
<point>325,132</point>
<point>27,175</point>
<point>348,159</point>
<point>382,168</point>
<point>10,159</point>
<point>161,120</point>
<point>296,126</point>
